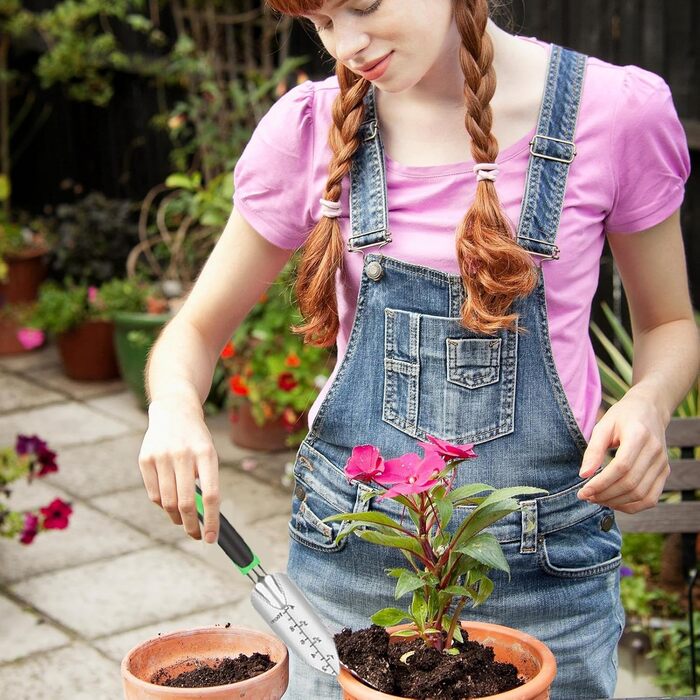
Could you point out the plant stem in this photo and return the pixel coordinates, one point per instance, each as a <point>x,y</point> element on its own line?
<point>453,623</point>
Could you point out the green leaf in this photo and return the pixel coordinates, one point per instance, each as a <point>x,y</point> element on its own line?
<point>619,330</point>
<point>407,543</point>
<point>408,581</point>
<point>486,549</point>
<point>485,590</point>
<point>367,517</point>
<point>419,609</point>
<point>621,363</point>
<point>395,573</point>
<point>468,490</point>
<point>389,616</point>
<point>405,633</point>
<point>445,510</point>
<point>483,517</point>
<point>459,590</point>
<point>611,380</point>
<point>508,492</point>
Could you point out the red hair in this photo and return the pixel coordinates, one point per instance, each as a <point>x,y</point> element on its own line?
<point>495,270</point>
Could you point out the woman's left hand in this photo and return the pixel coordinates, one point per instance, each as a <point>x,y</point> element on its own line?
<point>634,479</point>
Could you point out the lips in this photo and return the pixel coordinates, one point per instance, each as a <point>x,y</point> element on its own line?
<point>376,69</point>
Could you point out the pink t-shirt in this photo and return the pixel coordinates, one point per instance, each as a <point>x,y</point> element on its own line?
<point>629,174</point>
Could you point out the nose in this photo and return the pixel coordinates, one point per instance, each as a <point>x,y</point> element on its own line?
<point>349,42</point>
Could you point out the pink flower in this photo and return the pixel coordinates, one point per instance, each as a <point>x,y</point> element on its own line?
<point>30,338</point>
<point>447,450</point>
<point>92,294</point>
<point>56,514</point>
<point>365,463</point>
<point>410,474</point>
<point>31,526</point>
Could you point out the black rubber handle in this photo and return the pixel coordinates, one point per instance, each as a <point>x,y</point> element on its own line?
<point>230,541</point>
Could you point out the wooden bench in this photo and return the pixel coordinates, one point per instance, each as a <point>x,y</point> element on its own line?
<point>682,516</point>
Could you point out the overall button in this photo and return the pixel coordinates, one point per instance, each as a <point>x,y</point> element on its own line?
<point>606,522</point>
<point>374,270</point>
<point>300,493</point>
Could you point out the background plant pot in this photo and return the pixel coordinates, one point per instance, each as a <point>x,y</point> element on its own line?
<point>9,342</point>
<point>87,351</point>
<point>177,651</point>
<point>26,272</point>
<point>134,334</point>
<point>269,437</point>
<point>533,659</point>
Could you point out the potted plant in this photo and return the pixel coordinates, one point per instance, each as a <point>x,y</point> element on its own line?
<point>30,458</point>
<point>273,375</point>
<point>80,317</point>
<point>444,569</point>
<point>23,251</point>
<point>212,662</point>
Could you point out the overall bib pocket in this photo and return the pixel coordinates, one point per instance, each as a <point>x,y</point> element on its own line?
<point>320,490</point>
<point>588,548</point>
<point>442,379</point>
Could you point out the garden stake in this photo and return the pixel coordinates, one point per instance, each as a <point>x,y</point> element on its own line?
<point>279,602</point>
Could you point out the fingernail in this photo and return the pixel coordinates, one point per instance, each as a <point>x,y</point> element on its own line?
<point>210,537</point>
<point>585,493</point>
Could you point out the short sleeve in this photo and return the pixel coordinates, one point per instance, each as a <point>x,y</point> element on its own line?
<point>649,152</point>
<point>271,178</point>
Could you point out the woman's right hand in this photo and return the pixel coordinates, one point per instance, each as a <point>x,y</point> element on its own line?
<point>177,448</point>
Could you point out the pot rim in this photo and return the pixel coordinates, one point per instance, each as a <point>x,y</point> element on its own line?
<point>222,631</point>
<point>542,680</point>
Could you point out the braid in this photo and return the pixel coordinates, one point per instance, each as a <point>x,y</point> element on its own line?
<point>323,251</point>
<point>494,268</point>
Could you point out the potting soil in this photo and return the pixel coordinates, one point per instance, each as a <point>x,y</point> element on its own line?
<point>211,672</point>
<point>427,673</point>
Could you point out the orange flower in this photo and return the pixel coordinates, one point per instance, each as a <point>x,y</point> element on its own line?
<point>228,351</point>
<point>267,410</point>
<point>292,360</point>
<point>289,417</point>
<point>263,298</point>
<point>237,385</point>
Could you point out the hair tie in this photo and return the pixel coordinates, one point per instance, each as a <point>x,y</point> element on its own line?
<point>486,171</point>
<point>330,209</point>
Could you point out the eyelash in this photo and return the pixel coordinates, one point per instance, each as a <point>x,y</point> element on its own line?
<point>372,8</point>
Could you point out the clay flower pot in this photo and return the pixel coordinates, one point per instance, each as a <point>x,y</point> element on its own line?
<point>178,651</point>
<point>533,659</point>
<point>87,351</point>
<point>269,437</point>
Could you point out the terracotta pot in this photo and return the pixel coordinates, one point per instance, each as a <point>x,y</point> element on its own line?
<point>87,351</point>
<point>533,659</point>
<point>26,272</point>
<point>178,650</point>
<point>270,437</point>
<point>9,342</point>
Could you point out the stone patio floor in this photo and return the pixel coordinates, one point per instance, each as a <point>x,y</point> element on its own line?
<point>74,602</point>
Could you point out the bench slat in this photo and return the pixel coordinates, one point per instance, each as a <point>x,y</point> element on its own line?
<point>665,518</point>
<point>684,476</point>
<point>683,432</point>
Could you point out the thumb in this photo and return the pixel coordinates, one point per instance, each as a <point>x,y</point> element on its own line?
<point>601,438</point>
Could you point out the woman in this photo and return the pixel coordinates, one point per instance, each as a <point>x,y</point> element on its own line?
<point>475,336</point>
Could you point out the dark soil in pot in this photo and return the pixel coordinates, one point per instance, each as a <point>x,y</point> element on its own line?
<point>427,673</point>
<point>212,672</point>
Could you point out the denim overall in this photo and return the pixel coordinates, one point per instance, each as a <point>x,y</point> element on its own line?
<point>410,370</point>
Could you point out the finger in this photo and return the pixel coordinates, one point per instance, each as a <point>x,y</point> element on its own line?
<point>208,472</point>
<point>150,479</point>
<point>651,498</point>
<point>635,484</point>
<point>168,488</point>
<point>601,439</point>
<point>184,476</point>
<point>619,467</point>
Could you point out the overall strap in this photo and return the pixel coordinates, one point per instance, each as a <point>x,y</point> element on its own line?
<point>552,151</point>
<point>369,214</point>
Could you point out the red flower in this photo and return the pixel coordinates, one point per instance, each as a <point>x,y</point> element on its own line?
<point>56,515</point>
<point>292,360</point>
<point>237,385</point>
<point>365,463</point>
<point>409,474</point>
<point>447,450</point>
<point>228,351</point>
<point>286,381</point>
<point>31,527</point>
<point>47,461</point>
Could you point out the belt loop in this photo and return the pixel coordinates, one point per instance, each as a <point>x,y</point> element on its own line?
<point>528,535</point>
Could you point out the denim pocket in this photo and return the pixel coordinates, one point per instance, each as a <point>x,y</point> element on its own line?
<point>584,549</point>
<point>442,379</point>
<point>320,490</point>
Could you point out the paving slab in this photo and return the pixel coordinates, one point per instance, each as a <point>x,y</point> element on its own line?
<point>28,361</point>
<point>129,591</point>
<point>63,424</point>
<point>24,633</point>
<point>116,646</point>
<point>99,468</point>
<point>76,672</point>
<point>53,377</point>
<point>123,406</point>
<point>17,394</point>
<point>268,539</point>
<point>90,536</point>
<point>38,493</point>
